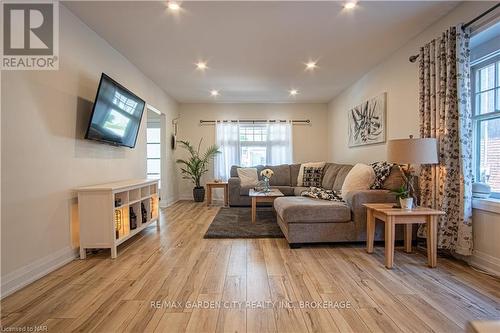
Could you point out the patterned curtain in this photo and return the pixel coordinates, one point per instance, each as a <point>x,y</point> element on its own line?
<point>445,114</point>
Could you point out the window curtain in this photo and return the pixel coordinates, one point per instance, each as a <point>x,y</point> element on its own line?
<point>445,114</point>
<point>279,143</point>
<point>227,138</point>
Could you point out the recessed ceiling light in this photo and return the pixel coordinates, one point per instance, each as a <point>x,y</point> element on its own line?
<point>350,5</point>
<point>293,92</point>
<point>201,65</point>
<point>214,93</point>
<point>173,6</point>
<point>311,65</point>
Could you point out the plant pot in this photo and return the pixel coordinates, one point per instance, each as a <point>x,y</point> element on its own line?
<point>199,194</point>
<point>406,203</point>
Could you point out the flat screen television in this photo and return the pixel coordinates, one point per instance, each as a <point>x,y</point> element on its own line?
<point>116,115</point>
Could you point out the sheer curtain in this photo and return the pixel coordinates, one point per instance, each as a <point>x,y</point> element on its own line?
<point>279,143</point>
<point>227,137</point>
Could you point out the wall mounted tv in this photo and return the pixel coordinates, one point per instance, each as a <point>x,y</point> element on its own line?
<point>116,115</point>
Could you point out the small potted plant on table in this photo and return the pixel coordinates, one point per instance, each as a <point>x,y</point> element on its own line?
<point>405,200</point>
<point>196,166</point>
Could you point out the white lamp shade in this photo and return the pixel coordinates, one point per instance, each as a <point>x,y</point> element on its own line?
<point>412,151</point>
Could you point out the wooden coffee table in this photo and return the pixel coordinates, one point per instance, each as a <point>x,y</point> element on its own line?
<point>262,197</point>
<point>392,216</point>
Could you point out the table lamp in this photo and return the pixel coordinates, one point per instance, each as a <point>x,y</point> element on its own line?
<point>411,151</point>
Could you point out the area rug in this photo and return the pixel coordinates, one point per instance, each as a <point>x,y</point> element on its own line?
<point>236,222</point>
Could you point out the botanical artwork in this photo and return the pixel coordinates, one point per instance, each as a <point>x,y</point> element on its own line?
<point>367,122</point>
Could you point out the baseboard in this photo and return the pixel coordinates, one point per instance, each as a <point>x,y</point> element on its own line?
<point>190,198</point>
<point>168,203</point>
<point>25,275</point>
<point>486,262</point>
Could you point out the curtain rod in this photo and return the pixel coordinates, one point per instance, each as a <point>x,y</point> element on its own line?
<point>414,58</point>
<point>305,121</point>
<point>477,18</point>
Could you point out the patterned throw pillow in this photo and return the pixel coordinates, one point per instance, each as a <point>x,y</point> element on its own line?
<point>321,193</point>
<point>312,177</point>
<point>382,171</point>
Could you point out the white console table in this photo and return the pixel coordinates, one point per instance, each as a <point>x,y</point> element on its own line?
<point>104,212</point>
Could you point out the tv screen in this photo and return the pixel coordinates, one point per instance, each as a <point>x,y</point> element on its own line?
<point>116,115</point>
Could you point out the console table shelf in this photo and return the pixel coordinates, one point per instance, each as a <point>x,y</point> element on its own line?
<point>104,212</point>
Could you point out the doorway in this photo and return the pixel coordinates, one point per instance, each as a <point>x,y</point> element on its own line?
<point>154,145</point>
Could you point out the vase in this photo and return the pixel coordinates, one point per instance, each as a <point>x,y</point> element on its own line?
<point>132,218</point>
<point>144,213</point>
<point>406,203</point>
<point>267,188</point>
<point>199,194</point>
<point>118,222</point>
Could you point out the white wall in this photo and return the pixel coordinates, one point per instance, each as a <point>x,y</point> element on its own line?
<point>486,228</point>
<point>309,141</point>
<point>44,155</point>
<point>399,78</point>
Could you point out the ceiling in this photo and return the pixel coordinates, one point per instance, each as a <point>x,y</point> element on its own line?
<point>256,50</point>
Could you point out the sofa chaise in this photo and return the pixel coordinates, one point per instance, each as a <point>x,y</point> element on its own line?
<point>308,220</point>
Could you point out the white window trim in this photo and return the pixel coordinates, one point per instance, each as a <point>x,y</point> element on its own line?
<point>489,205</point>
<point>478,118</point>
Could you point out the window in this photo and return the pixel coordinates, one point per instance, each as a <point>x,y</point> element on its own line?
<point>253,145</point>
<point>485,77</point>
<point>153,153</point>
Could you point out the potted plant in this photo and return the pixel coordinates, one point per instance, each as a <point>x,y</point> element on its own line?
<point>196,165</point>
<point>403,195</point>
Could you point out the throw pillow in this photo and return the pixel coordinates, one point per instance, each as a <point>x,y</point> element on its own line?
<point>321,193</point>
<point>395,179</point>
<point>312,177</point>
<point>361,177</point>
<point>300,177</point>
<point>382,171</point>
<point>248,177</point>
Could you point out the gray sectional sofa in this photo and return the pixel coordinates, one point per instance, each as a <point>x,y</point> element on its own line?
<point>308,220</point>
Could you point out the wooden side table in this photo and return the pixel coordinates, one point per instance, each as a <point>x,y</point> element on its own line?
<point>392,216</point>
<point>212,185</point>
<point>262,197</point>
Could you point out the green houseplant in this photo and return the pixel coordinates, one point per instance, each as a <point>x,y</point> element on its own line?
<point>196,165</point>
<point>403,194</point>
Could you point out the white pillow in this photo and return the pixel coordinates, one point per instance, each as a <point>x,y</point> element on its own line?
<point>248,176</point>
<point>300,177</point>
<point>361,177</point>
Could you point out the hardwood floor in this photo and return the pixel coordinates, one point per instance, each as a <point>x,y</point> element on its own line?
<point>178,265</point>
